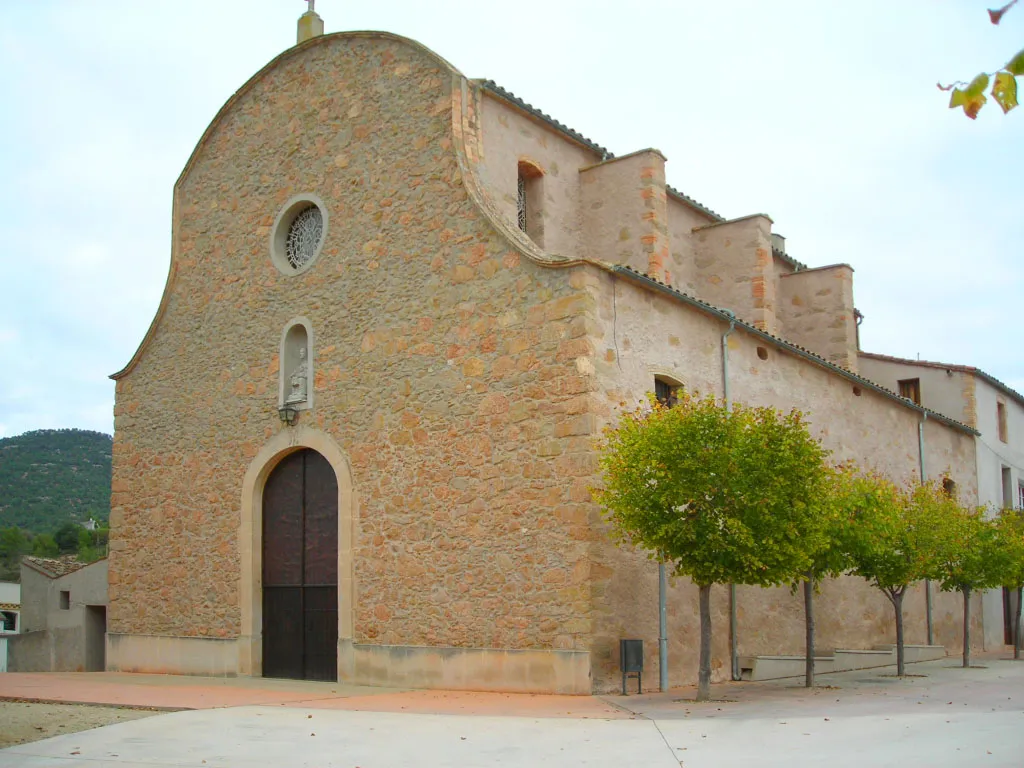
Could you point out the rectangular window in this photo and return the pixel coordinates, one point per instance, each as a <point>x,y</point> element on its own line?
<point>1007,489</point>
<point>911,389</point>
<point>1020,497</point>
<point>8,621</point>
<point>1001,420</point>
<point>65,600</point>
<point>665,393</point>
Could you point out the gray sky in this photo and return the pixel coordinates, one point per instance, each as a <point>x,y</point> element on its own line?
<point>822,114</point>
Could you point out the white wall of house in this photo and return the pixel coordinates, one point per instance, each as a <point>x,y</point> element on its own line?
<point>1000,475</point>
<point>972,398</point>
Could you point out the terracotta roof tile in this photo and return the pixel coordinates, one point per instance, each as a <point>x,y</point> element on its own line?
<point>55,568</point>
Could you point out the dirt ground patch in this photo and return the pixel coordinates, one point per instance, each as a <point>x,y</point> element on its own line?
<point>22,722</point>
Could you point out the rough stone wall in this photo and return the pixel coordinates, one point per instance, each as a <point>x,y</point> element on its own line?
<point>453,372</point>
<point>733,269</point>
<point>639,332</point>
<point>815,310</point>
<point>509,136</point>
<point>625,219</point>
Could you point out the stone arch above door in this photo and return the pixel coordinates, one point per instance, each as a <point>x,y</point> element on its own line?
<point>250,659</point>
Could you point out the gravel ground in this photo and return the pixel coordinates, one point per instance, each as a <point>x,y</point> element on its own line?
<point>22,722</point>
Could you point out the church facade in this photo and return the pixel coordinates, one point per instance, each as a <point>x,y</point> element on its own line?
<point>359,438</point>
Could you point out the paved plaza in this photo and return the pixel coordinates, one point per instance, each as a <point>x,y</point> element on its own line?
<point>943,716</point>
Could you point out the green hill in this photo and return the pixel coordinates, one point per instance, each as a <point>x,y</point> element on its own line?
<point>51,476</point>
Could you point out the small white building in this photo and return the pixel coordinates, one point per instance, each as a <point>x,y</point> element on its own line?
<point>64,617</point>
<point>981,401</point>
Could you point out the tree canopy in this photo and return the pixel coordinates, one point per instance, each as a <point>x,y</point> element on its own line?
<point>721,496</point>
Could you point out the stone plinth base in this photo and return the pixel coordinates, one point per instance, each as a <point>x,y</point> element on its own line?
<point>466,669</point>
<point>169,655</point>
<point>398,666</point>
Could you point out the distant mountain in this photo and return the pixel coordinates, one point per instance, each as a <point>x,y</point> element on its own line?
<point>51,476</point>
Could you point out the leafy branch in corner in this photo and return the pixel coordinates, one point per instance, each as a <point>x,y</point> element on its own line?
<point>971,96</point>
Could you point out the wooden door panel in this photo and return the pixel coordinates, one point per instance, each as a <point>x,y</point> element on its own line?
<point>300,569</point>
<point>321,534</point>
<point>282,524</point>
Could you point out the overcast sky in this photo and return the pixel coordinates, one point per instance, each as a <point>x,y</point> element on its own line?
<point>822,114</point>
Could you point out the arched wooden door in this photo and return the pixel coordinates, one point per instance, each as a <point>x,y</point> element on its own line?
<point>300,569</point>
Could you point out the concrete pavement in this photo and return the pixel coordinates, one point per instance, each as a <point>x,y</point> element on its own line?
<point>950,717</point>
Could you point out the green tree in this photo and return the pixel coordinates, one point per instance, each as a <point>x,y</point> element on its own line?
<point>894,537</point>
<point>68,537</point>
<point>13,545</point>
<point>43,545</point>
<point>828,556</point>
<point>86,550</point>
<point>1010,532</point>
<point>973,557</point>
<point>719,496</point>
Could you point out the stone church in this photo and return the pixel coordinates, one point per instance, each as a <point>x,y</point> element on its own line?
<point>358,440</point>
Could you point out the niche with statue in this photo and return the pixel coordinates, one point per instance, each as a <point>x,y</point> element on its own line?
<point>296,387</point>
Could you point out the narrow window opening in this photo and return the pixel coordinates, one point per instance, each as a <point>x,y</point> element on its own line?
<point>949,487</point>
<point>65,600</point>
<point>911,389</point>
<point>856,391</point>
<point>1001,418</point>
<point>1020,497</point>
<point>530,201</point>
<point>1007,489</point>
<point>666,392</point>
<point>762,353</point>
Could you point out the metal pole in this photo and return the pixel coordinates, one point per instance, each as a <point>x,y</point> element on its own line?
<point>924,479</point>
<point>662,628</point>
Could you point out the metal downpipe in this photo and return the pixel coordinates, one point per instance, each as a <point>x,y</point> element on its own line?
<point>662,628</point>
<point>924,479</point>
<point>734,656</point>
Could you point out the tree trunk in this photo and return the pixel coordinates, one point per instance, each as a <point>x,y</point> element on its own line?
<point>1016,627</point>
<point>704,675</point>
<point>896,598</point>
<point>809,621</point>
<point>967,626</point>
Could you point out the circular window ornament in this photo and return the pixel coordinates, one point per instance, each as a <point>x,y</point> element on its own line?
<point>298,234</point>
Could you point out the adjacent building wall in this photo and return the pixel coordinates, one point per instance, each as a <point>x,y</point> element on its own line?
<point>57,639</point>
<point>815,311</point>
<point>639,334</point>
<point>1000,478</point>
<point>949,391</point>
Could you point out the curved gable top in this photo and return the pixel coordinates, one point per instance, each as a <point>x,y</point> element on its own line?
<point>219,118</point>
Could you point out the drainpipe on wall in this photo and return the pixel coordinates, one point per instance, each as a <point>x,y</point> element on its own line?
<point>662,628</point>
<point>924,479</point>
<point>734,655</point>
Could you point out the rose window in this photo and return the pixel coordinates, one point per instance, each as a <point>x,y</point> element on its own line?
<point>304,237</point>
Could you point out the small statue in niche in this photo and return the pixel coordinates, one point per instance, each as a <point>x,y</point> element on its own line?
<point>298,381</point>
